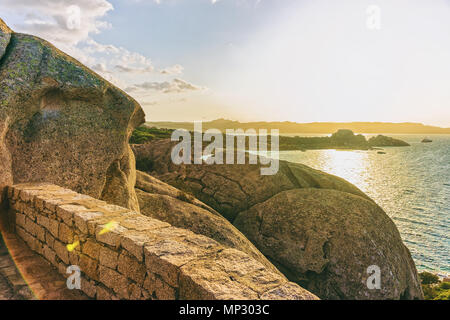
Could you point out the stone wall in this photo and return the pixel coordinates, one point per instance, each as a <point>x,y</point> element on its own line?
<point>125,255</point>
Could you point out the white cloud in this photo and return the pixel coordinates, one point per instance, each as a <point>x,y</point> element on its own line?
<point>126,69</point>
<point>70,24</point>
<point>175,86</point>
<point>60,21</point>
<point>99,67</point>
<point>175,69</point>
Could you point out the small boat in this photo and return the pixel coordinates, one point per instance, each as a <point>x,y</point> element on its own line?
<point>381,152</point>
<point>426,140</point>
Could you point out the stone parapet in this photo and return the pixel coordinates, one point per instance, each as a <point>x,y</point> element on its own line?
<point>125,255</point>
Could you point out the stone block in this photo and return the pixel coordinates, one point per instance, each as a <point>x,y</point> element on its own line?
<point>61,251</point>
<point>49,254</point>
<point>66,212</point>
<point>166,256</point>
<point>92,249</point>
<point>109,234</point>
<point>53,227</point>
<point>131,268</point>
<point>133,243</point>
<point>89,267</point>
<point>88,287</point>
<point>81,220</point>
<point>108,258</point>
<point>30,212</point>
<point>115,281</point>
<point>134,292</point>
<point>65,233</point>
<point>20,219</point>
<point>49,239</point>
<point>43,221</point>
<point>104,294</point>
<point>158,288</point>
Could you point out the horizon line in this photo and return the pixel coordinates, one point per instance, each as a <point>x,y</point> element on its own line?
<point>302,123</point>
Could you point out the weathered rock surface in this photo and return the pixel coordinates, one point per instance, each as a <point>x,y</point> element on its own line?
<point>326,240</point>
<point>163,202</point>
<point>319,230</point>
<point>125,255</point>
<point>62,123</point>
<point>5,36</point>
<point>151,185</point>
<point>383,141</point>
<point>230,189</point>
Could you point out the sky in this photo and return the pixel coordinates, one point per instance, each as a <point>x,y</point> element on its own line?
<point>253,60</point>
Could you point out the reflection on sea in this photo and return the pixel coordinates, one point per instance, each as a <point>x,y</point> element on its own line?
<point>412,184</point>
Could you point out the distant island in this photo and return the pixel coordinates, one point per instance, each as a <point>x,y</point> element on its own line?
<point>342,139</point>
<point>288,127</point>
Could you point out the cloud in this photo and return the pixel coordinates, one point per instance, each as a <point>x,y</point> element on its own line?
<point>175,86</point>
<point>175,69</point>
<point>149,103</point>
<point>134,70</point>
<point>70,26</point>
<point>99,67</point>
<point>119,57</point>
<point>60,21</point>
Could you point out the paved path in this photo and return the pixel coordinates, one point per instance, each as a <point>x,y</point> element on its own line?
<point>43,281</point>
<point>7,269</point>
<point>6,292</point>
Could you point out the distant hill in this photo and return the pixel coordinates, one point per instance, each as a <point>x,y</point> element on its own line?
<point>314,127</point>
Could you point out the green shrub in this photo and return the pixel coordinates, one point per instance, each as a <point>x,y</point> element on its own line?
<point>428,278</point>
<point>144,134</point>
<point>433,288</point>
<point>445,285</point>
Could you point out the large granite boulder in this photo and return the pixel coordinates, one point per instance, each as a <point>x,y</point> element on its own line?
<point>62,123</point>
<point>163,202</point>
<point>326,240</point>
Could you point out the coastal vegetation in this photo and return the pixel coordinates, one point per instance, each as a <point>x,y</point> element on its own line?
<point>288,127</point>
<point>144,134</point>
<point>342,139</point>
<point>433,288</point>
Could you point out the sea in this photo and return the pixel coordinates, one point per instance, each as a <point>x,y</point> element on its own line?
<point>412,185</point>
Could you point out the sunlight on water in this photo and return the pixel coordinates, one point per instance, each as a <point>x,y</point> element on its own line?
<point>412,184</point>
<point>350,165</point>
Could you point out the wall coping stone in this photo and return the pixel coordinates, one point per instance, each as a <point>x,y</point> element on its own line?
<point>123,254</point>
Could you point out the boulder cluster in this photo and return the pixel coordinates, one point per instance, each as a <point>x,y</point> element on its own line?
<point>61,123</point>
<point>319,230</point>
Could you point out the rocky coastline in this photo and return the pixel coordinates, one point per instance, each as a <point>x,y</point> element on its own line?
<point>63,124</point>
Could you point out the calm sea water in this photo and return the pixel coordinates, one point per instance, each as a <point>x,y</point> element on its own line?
<point>412,184</point>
